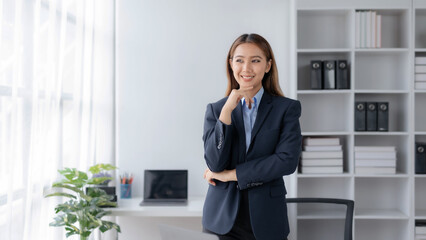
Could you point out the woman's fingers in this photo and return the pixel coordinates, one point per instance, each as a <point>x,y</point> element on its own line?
<point>208,175</point>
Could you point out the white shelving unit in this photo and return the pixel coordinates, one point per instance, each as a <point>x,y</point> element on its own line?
<point>386,206</point>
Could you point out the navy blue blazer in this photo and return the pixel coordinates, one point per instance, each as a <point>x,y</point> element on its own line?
<point>273,152</point>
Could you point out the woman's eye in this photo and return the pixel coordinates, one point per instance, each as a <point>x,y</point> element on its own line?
<point>239,60</point>
<point>255,61</point>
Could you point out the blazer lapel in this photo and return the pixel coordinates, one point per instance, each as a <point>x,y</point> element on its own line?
<point>263,111</point>
<point>238,121</point>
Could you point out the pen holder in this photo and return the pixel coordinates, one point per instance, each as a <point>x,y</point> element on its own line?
<point>126,190</point>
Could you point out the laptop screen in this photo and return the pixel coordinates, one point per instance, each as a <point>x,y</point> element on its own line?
<point>165,185</point>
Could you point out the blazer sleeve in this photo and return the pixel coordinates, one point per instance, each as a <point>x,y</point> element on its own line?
<point>217,139</point>
<point>284,161</point>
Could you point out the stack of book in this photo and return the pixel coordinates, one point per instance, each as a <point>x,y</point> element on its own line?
<point>420,79</point>
<point>420,229</point>
<point>375,160</point>
<point>322,155</point>
<point>368,29</point>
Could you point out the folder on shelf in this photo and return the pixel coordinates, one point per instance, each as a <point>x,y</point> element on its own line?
<point>342,78</point>
<point>420,158</point>
<point>383,116</point>
<point>371,116</point>
<point>360,116</point>
<point>329,71</point>
<point>316,74</point>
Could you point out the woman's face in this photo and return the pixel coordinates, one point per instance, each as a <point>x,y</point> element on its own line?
<point>249,65</point>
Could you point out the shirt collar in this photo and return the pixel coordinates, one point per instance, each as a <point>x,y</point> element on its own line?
<point>257,97</point>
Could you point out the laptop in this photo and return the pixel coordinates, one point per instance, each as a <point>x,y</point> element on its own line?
<point>165,187</point>
<point>175,233</point>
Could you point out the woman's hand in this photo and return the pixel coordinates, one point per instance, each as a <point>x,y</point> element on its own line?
<point>233,101</point>
<point>224,176</point>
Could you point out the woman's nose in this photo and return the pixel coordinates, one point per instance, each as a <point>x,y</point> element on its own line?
<point>247,66</point>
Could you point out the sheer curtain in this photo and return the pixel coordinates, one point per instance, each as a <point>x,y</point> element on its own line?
<point>56,103</point>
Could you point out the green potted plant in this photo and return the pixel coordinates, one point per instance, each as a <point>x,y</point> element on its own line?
<point>83,212</point>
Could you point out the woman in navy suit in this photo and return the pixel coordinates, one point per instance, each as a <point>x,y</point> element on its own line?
<point>251,140</point>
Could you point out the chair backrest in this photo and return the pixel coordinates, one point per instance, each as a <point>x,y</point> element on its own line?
<point>168,232</point>
<point>349,210</point>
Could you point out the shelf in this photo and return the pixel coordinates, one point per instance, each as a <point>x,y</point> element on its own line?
<point>419,108</point>
<point>327,187</point>
<point>325,91</point>
<point>398,175</point>
<point>382,70</point>
<point>374,213</point>
<point>420,195</point>
<point>373,133</point>
<point>314,106</point>
<point>381,91</point>
<point>420,29</point>
<point>420,175</point>
<point>308,229</point>
<point>399,107</point>
<point>312,33</point>
<point>381,50</point>
<point>325,133</point>
<point>389,229</point>
<point>324,50</point>
<point>304,67</point>
<point>420,213</point>
<point>383,203</point>
<point>321,214</point>
<point>334,175</point>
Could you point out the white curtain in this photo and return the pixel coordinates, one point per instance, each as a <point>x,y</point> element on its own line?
<point>56,103</point>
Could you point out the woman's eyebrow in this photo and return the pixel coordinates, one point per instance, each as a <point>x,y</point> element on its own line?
<point>250,57</point>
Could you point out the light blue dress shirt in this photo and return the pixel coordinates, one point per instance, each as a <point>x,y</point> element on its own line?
<point>249,115</point>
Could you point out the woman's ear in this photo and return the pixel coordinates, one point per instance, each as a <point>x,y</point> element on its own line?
<point>230,63</point>
<point>268,67</point>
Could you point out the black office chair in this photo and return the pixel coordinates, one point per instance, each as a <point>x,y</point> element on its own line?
<point>349,210</point>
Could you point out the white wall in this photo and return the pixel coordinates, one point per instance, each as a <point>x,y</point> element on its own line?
<point>170,62</point>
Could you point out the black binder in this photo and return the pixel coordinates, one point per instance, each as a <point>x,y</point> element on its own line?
<point>383,116</point>
<point>329,74</point>
<point>360,115</point>
<point>420,158</point>
<point>316,74</point>
<point>371,116</point>
<point>342,78</point>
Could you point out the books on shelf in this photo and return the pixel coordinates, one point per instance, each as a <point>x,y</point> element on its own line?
<point>374,149</point>
<point>320,162</point>
<point>375,163</point>
<point>368,29</point>
<point>375,159</point>
<point>375,170</point>
<point>323,148</point>
<point>318,141</point>
<point>322,169</point>
<point>420,70</point>
<point>322,156</point>
<point>420,85</point>
<point>328,154</point>
<point>420,229</point>
<point>420,61</point>
<point>420,77</point>
<point>375,155</point>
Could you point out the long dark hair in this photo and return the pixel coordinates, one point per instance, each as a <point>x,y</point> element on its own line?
<point>270,80</point>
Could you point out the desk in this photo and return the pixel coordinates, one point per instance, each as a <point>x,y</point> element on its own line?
<point>130,207</point>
